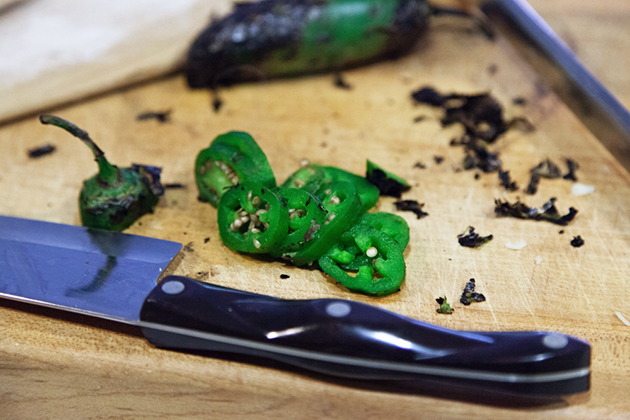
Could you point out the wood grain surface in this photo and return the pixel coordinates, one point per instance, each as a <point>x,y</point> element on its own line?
<point>55,365</point>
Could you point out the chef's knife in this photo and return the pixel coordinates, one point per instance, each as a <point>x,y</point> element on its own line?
<point>113,276</point>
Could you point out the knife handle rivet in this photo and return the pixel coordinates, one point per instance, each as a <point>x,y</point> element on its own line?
<point>338,309</point>
<point>555,341</point>
<point>173,287</point>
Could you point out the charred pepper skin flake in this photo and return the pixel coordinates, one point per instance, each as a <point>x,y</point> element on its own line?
<point>469,295</point>
<point>548,212</point>
<point>412,206</point>
<point>275,38</point>
<point>114,198</point>
<point>444,308</point>
<point>472,239</point>
<point>387,183</point>
<point>577,241</point>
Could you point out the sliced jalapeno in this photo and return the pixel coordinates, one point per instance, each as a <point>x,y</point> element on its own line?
<point>367,192</point>
<point>252,218</point>
<point>383,270</point>
<point>309,177</point>
<point>231,158</point>
<point>307,215</point>
<point>391,224</point>
<point>342,202</point>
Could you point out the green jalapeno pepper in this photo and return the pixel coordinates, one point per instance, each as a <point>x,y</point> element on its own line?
<point>392,225</point>
<point>252,218</point>
<point>231,157</point>
<point>383,269</point>
<point>307,215</point>
<point>309,177</point>
<point>114,198</point>
<point>342,202</point>
<point>367,192</point>
<point>273,38</point>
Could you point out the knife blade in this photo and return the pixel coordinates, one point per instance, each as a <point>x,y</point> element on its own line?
<point>557,65</point>
<point>113,276</point>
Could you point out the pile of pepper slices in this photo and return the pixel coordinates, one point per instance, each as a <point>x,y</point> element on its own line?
<point>319,214</point>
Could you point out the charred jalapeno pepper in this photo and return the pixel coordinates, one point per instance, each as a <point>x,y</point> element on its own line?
<point>343,205</point>
<point>273,38</point>
<point>252,218</point>
<point>383,268</point>
<point>231,157</point>
<point>367,192</point>
<point>115,197</point>
<point>307,215</point>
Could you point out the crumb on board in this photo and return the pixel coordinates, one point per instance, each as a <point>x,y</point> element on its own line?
<point>516,245</point>
<point>622,318</point>
<point>581,189</point>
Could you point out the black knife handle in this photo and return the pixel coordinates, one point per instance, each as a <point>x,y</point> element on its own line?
<point>352,339</point>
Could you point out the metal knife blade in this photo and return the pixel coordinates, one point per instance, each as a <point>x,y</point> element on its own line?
<point>91,271</point>
<point>112,275</point>
<point>558,66</point>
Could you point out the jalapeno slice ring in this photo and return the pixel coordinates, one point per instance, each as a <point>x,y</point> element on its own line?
<point>231,158</point>
<point>309,177</point>
<point>342,202</point>
<point>252,218</point>
<point>307,215</point>
<point>368,193</point>
<point>382,272</point>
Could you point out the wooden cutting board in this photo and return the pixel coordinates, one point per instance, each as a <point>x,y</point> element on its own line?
<point>56,365</point>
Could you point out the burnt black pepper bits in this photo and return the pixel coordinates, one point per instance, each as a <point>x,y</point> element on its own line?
<point>469,295</point>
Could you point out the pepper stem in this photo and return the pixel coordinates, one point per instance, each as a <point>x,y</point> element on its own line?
<point>106,171</point>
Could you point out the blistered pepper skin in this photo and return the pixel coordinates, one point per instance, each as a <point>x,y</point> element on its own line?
<point>114,198</point>
<point>275,38</point>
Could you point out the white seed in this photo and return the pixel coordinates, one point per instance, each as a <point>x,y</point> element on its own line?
<point>249,195</point>
<point>371,252</point>
<point>243,213</point>
<point>266,225</point>
<point>256,243</point>
<point>299,183</point>
<point>304,162</point>
<point>328,191</point>
<point>293,215</point>
<point>237,223</point>
<point>291,211</point>
<point>331,217</point>
<point>260,211</point>
<point>257,201</point>
<point>234,180</point>
<point>254,230</point>
<point>334,200</point>
<point>244,219</point>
